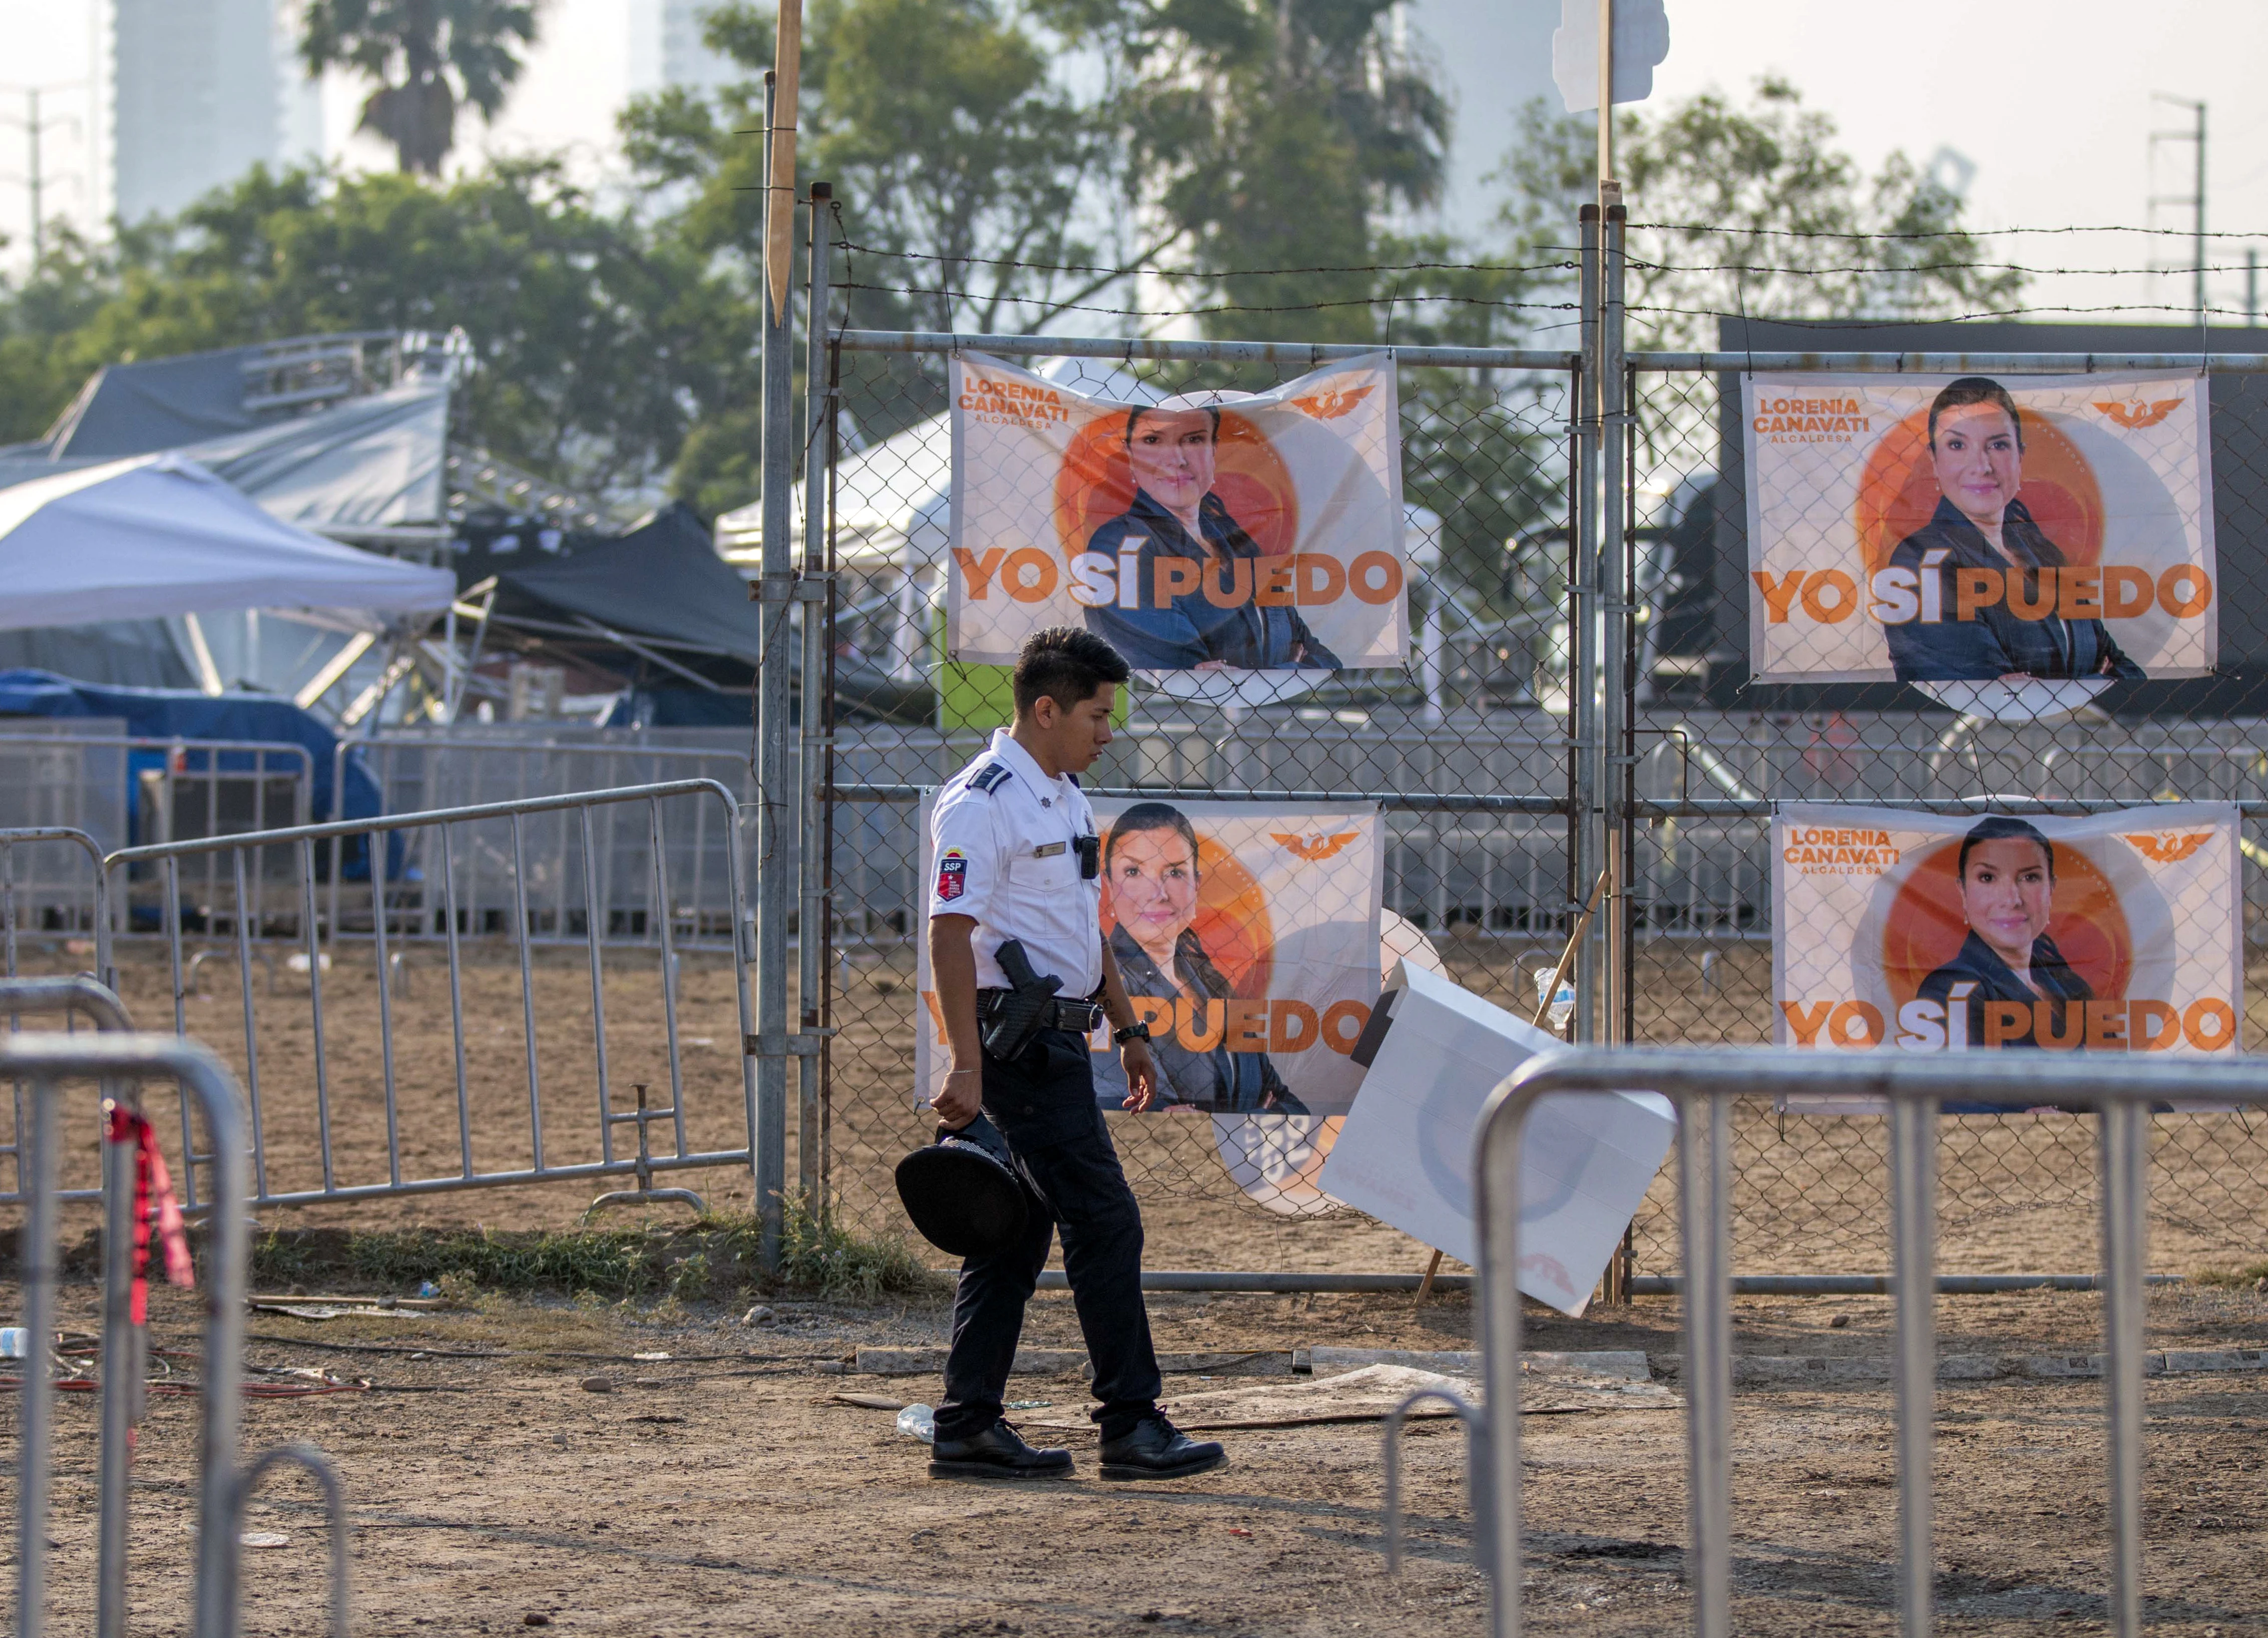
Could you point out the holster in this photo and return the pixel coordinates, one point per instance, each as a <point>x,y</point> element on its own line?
<point>1018,1013</point>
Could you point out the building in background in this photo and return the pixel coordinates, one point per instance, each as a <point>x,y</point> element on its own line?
<point>665,47</point>
<point>1492,55</point>
<point>192,93</point>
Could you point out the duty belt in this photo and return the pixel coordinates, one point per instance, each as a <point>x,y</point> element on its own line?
<point>1079,1017</point>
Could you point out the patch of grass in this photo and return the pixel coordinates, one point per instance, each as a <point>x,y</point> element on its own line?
<point>818,1254</point>
<point>2251,1274</point>
<point>716,1257</point>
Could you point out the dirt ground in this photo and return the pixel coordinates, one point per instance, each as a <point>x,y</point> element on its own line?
<point>2017,1194</point>
<point>723,1488</point>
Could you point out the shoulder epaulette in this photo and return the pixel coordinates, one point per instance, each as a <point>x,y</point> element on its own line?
<point>991,777</point>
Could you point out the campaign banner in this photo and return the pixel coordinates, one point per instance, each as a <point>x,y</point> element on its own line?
<point>1924,932</point>
<point>1247,936</point>
<point>2013,545</point>
<point>1211,531</point>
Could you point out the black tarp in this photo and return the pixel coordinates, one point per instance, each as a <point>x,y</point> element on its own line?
<point>2240,479</point>
<point>662,581</point>
<point>660,588</point>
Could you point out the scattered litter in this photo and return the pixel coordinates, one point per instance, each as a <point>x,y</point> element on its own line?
<point>1028,1405</point>
<point>264,1538</point>
<point>649,1356</point>
<point>1238,1529</point>
<point>535,1618</point>
<point>1370,1393</point>
<point>297,960</point>
<point>870,1401</point>
<point>427,1289</point>
<point>598,1384</point>
<point>757,1316</point>
<point>919,1421</point>
<point>305,1310</point>
<point>15,1342</point>
<point>663,1419</point>
<point>700,1040</point>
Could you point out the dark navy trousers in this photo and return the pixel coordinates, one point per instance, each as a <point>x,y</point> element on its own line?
<point>1044,1105</point>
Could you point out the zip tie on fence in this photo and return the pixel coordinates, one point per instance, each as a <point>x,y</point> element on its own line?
<point>154,1204</point>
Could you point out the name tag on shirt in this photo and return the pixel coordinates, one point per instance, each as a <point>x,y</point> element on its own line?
<point>1050,850</point>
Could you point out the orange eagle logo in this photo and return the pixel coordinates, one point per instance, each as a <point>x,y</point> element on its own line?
<point>2135,417</point>
<point>1314,845</point>
<point>2169,850</point>
<point>1330,406</point>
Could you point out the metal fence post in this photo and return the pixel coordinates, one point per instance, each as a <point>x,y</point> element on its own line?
<point>775,836</point>
<point>812,918</point>
<point>1612,751</point>
<point>1583,724</point>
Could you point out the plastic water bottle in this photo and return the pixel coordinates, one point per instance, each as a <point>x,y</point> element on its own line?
<point>1563,1004</point>
<point>919,1421</point>
<point>15,1343</point>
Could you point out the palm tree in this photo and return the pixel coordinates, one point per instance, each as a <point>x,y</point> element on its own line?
<point>428,58</point>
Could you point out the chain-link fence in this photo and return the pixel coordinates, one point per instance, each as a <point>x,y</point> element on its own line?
<point>1462,749</point>
<point>1716,752</point>
<point>1482,767</point>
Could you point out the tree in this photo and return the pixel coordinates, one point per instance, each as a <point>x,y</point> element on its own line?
<point>428,56</point>
<point>1752,212</point>
<point>1274,137</point>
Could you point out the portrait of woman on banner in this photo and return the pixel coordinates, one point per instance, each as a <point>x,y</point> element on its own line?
<point>1976,451</point>
<point>1171,451</point>
<point>1151,871</point>
<point>2007,872</point>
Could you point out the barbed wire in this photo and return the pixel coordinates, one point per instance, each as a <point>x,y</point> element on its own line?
<point>1373,300</point>
<point>1945,232</point>
<point>1563,265</point>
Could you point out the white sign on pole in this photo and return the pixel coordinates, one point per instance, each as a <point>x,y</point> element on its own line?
<point>1641,42</point>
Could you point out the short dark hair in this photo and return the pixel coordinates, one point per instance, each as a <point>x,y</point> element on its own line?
<point>1150,817</point>
<point>1998,827</point>
<point>1973,389</point>
<point>1134,415</point>
<point>1066,664</point>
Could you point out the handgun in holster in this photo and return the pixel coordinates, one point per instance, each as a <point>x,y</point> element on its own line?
<point>1008,1019</point>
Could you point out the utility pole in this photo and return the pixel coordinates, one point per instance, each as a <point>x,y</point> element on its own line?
<point>34,178</point>
<point>2194,199</point>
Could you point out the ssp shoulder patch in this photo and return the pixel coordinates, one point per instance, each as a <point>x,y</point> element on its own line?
<point>952,874</point>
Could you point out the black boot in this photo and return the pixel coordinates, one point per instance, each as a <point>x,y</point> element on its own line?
<point>994,1453</point>
<point>1155,1449</point>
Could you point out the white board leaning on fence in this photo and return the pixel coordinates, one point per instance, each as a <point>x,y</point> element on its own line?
<point>1923,932</point>
<point>1238,531</point>
<point>1405,1155</point>
<point>2012,567</point>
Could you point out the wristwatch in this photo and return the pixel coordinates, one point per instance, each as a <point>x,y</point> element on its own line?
<point>1132,1032</point>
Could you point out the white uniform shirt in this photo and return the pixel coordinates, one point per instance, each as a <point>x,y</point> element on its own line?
<point>1008,855</point>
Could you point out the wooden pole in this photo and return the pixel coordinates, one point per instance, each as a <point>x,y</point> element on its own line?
<point>779,197</point>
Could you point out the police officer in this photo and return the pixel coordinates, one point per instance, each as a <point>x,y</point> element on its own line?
<point>1018,859</point>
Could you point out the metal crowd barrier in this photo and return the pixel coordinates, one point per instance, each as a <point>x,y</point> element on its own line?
<point>393,904</point>
<point>46,1062</point>
<point>418,772</point>
<point>1700,1082</point>
<point>11,910</point>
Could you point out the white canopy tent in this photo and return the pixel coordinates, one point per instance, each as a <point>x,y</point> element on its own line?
<point>155,535</point>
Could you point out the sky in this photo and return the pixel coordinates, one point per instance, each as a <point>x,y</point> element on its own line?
<point>2050,100</point>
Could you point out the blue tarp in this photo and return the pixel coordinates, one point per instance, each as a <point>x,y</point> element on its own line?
<point>182,714</point>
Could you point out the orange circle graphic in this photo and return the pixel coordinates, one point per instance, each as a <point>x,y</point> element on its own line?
<point>1924,928</point>
<point>1898,489</point>
<point>1232,920</point>
<point>1095,483</point>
